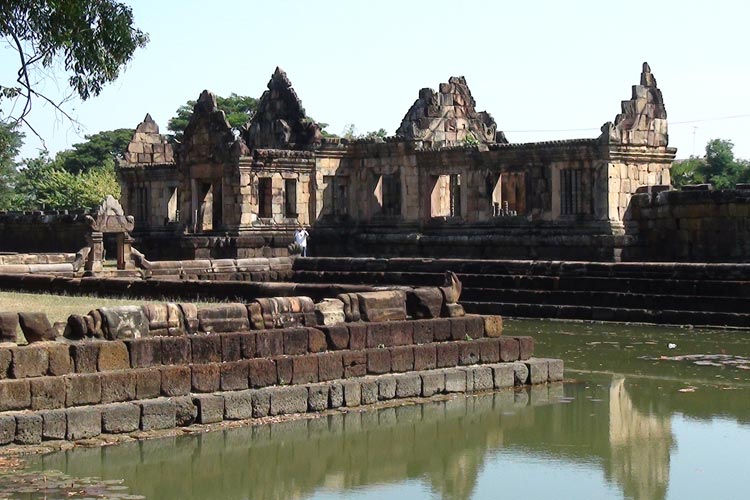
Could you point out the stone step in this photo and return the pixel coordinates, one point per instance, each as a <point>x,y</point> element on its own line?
<point>670,317</point>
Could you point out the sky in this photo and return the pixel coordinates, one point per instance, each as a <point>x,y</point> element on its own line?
<point>544,70</point>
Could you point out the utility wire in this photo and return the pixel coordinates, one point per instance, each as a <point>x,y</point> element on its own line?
<point>683,122</point>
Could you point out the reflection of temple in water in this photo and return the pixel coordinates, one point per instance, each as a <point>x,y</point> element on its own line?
<point>641,444</point>
<point>443,446</point>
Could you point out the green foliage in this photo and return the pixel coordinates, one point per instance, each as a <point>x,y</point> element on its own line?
<point>719,167</point>
<point>45,184</point>
<point>90,39</point>
<point>350,132</point>
<point>238,109</point>
<point>470,139</point>
<point>104,147</point>
<point>10,143</point>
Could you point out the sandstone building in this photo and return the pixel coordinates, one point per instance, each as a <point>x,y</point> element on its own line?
<point>448,184</point>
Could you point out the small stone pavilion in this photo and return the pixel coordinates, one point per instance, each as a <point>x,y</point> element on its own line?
<point>448,184</point>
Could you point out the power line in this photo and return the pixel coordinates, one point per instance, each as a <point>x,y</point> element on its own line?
<point>683,122</point>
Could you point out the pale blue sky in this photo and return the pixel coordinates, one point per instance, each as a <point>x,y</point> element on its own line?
<point>539,66</point>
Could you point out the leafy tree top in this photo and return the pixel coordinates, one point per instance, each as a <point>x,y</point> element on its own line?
<point>238,109</point>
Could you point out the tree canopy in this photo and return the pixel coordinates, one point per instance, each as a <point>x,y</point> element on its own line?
<point>91,39</point>
<point>718,167</point>
<point>10,144</point>
<point>238,109</point>
<point>101,148</point>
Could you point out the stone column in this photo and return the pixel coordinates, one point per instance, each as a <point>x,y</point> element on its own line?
<point>124,248</point>
<point>95,241</point>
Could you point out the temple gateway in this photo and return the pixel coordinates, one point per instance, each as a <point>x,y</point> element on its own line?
<point>448,184</point>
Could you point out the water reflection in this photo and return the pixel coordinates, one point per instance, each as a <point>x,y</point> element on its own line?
<point>612,431</point>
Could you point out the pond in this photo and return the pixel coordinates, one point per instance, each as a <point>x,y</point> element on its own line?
<point>647,413</point>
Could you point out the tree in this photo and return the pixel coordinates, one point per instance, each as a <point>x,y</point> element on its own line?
<point>350,132</point>
<point>238,109</point>
<point>93,39</point>
<point>685,172</point>
<point>106,147</point>
<point>719,167</point>
<point>10,144</point>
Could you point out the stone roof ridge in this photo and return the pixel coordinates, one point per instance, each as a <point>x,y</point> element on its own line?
<point>447,117</point>
<point>643,118</point>
<point>147,146</point>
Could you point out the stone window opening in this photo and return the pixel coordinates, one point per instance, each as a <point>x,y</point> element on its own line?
<point>336,195</point>
<point>571,192</point>
<point>494,195</point>
<point>388,195</point>
<point>141,204</point>
<point>173,212</point>
<point>290,198</point>
<point>265,198</point>
<point>445,199</point>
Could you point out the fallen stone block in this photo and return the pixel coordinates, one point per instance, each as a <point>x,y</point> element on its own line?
<point>165,319</point>
<point>123,322</point>
<point>424,302</point>
<point>83,423</point>
<point>160,413</point>
<point>223,318</point>
<point>453,310</point>
<point>118,418</point>
<point>287,400</point>
<point>28,428</point>
<point>9,327</point>
<point>387,305</point>
<point>330,312</point>
<point>35,327</point>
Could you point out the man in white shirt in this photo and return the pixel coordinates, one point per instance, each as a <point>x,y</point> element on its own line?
<point>300,237</point>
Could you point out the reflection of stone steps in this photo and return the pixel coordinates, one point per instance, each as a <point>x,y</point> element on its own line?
<point>665,293</point>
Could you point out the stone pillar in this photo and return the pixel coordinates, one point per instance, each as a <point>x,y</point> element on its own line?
<point>124,248</point>
<point>95,241</point>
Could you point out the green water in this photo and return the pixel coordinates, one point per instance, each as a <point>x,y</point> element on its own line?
<point>627,425</point>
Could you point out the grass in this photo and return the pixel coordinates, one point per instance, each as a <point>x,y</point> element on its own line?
<point>59,307</point>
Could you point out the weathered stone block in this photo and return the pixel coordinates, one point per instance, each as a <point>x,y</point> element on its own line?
<point>408,385</point>
<point>503,375</point>
<point>60,362</point>
<point>210,408</point>
<point>262,372</point>
<point>147,383</point>
<point>402,332</point>
<point>386,388</point>
<point>284,370</point>
<point>144,352</point>
<point>330,366</point>
<point>316,340</point>
<point>234,375</point>
<point>526,347</point>
<point>305,369</point>
<point>388,305</point>
<point>47,393</point>
<point>185,411</point>
<point>269,343</point>
<point>83,423</point>
<point>176,380</point>
<point>455,380</point>
<point>423,331</point>
<point>118,418</point>
<point>123,322</point>
<point>489,350</point>
<point>83,389</point>
<point>29,361</point>
<point>206,378</point>
<point>261,401</point>
<point>317,399</point>
<point>509,349</point>
<point>337,336</point>
<point>424,302</point>
<point>113,355</point>
<point>223,318</point>
<point>8,327</point>
<point>556,370</point>
<point>287,400</point>
<point>483,379</point>
<point>520,373</point>
<point>355,363</point>
<point>474,326</point>
<point>370,391</point>
<point>378,361</point>
<point>379,335</point>
<point>160,413</point>
<point>441,330</point>
<point>85,356</point>
<point>28,428</point>
<point>231,347</point>
<point>175,350</point>
<point>248,344</point>
<point>118,386</point>
<point>5,359</point>
<point>433,382</point>
<point>357,336</point>
<point>425,357</point>
<point>238,405</point>
<point>458,328</point>
<point>7,429</point>
<point>493,325</point>
<point>538,370</point>
<point>447,355</point>
<point>352,393</point>
<point>402,358</point>
<point>469,353</point>
<point>295,341</point>
<point>329,312</point>
<point>54,424</point>
<point>205,348</point>
<point>36,327</point>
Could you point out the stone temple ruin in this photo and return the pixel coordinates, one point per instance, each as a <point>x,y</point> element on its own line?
<point>448,184</point>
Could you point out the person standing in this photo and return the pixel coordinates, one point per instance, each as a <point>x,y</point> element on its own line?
<point>300,237</point>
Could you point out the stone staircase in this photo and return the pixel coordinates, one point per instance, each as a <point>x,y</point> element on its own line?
<point>662,293</point>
